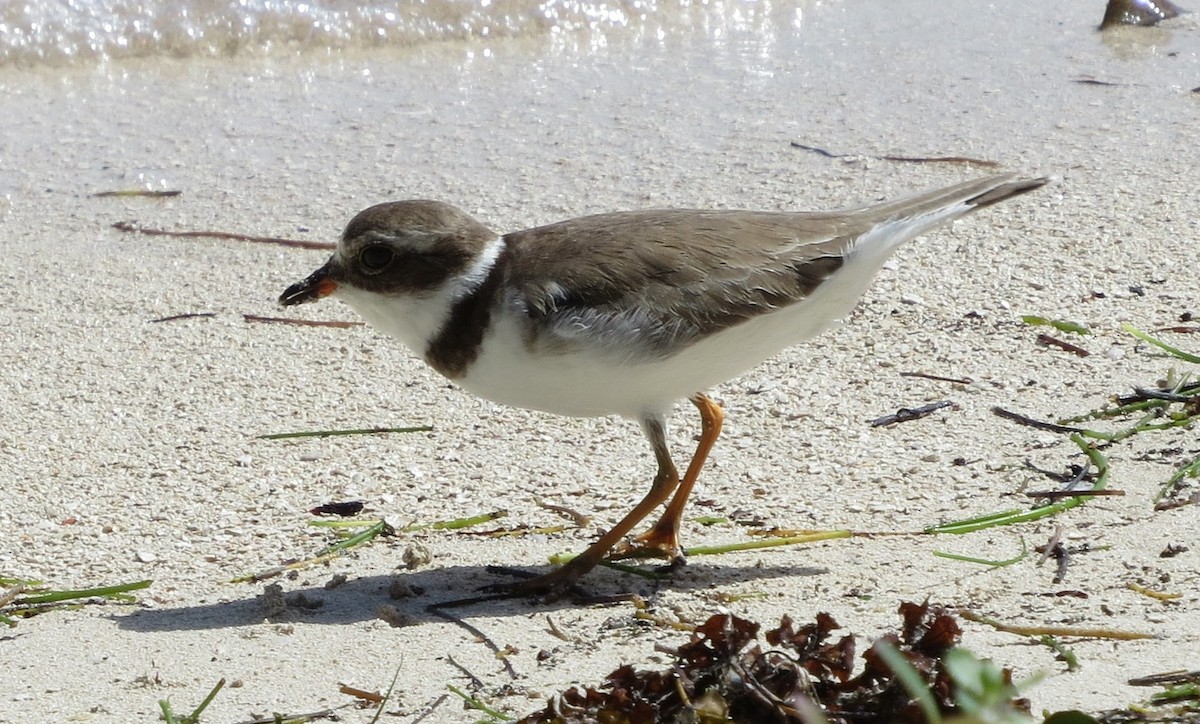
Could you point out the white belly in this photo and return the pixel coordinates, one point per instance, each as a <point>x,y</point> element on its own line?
<point>590,383</point>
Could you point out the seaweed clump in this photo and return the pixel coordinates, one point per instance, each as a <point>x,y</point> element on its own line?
<point>724,674</point>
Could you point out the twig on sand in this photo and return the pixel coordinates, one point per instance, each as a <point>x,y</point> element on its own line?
<point>305,716</point>
<point>1151,593</point>
<point>186,315</point>
<point>558,633</point>
<point>1057,494</point>
<point>371,696</point>
<point>130,227</point>
<point>1166,679</point>
<point>431,708</point>
<point>1048,341</point>
<point>336,324</point>
<point>472,702</point>
<point>1031,422</point>
<point>1056,550</point>
<point>984,561</point>
<point>1061,325</point>
<point>938,378</point>
<point>581,519</point>
<point>337,433</point>
<point>1048,548</point>
<point>475,680</point>
<point>147,193</point>
<point>439,610</point>
<point>1071,631</point>
<point>905,414</point>
<point>902,159</point>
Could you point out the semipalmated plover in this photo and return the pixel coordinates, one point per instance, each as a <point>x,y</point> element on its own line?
<point>623,313</point>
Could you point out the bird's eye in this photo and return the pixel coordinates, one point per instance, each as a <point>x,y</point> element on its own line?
<point>375,258</point>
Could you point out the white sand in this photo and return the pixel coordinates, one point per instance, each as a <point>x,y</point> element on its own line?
<point>143,435</point>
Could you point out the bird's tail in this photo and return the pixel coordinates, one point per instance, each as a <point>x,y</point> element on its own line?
<point>954,201</point>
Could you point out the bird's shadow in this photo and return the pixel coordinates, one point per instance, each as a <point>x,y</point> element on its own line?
<point>436,595</point>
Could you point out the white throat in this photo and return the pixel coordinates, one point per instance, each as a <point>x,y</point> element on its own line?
<point>416,320</point>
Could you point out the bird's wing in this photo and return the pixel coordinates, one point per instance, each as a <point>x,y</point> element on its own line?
<point>648,283</point>
<point>645,284</point>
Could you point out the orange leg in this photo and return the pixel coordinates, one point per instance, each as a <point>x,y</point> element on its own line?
<point>667,479</point>
<point>663,538</point>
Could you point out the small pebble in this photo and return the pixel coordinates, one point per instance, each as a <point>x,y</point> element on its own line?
<point>336,580</point>
<point>400,588</point>
<point>394,616</point>
<point>415,556</point>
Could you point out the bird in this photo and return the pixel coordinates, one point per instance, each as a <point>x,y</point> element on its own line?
<point>624,313</point>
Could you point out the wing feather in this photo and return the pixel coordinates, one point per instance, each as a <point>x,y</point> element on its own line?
<point>645,284</point>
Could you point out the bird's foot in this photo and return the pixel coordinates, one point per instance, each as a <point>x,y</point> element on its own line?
<point>661,541</point>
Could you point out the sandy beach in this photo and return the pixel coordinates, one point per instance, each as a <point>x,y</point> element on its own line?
<point>130,449</point>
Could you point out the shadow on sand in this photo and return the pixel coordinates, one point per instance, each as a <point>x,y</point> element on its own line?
<point>361,599</point>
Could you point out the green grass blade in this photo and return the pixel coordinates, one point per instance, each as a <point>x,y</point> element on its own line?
<point>354,523</point>
<point>374,529</point>
<point>1173,351</point>
<point>970,525</point>
<point>1059,324</point>
<point>195,715</point>
<point>768,543</point>
<point>478,705</point>
<point>386,697</point>
<point>1011,517</point>
<point>102,592</point>
<point>910,679</point>
<point>559,559</point>
<point>1191,470</point>
<point>467,522</point>
<point>985,562</point>
<point>1190,690</point>
<point>355,540</point>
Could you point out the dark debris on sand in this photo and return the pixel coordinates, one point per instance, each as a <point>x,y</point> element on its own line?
<point>724,674</point>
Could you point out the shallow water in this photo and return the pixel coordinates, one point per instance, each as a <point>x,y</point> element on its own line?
<point>655,103</point>
<point>84,31</point>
